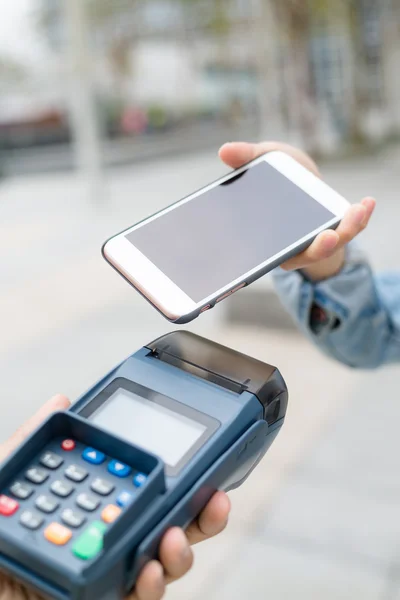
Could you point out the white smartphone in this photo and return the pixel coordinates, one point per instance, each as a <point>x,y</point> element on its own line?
<point>197,252</point>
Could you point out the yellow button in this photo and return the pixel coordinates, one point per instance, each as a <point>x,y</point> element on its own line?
<point>57,534</point>
<point>110,513</point>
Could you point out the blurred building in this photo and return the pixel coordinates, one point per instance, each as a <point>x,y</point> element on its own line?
<point>346,85</point>
<point>169,53</point>
<point>323,72</point>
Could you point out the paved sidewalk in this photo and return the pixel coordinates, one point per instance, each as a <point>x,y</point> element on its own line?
<point>320,518</point>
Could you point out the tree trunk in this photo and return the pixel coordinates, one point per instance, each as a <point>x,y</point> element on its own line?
<point>360,104</point>
<point>270,119</point>
<point>293,17</point>
<point>86,130</point>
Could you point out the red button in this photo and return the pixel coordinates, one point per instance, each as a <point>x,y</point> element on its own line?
<point>8,506</point>
<point>68,445</point>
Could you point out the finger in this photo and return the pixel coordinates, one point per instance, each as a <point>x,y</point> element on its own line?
<point>237,154</point>
<point>176,555</point>
<point>369,205</point>
<point>150,584</point>
<point>56,403</point>
<point>212,520</point>
<point>352,224</point>
<point>329,242</point>
<point>323,247</point>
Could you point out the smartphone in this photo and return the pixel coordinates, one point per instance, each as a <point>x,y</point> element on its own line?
<point>195,253</point>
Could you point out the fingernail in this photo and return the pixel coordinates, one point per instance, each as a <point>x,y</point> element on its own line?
<point>331,242</point>
<point>359,215</point>
<point>160,580</point>
<point>369,203</point>
<point>244,152</point>
<point>225,524</point>
<point>186,552</point>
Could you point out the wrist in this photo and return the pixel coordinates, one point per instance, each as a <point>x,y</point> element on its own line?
<point>326,269</point>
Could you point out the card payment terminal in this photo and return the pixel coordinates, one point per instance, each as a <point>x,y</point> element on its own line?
<point>85,501</point>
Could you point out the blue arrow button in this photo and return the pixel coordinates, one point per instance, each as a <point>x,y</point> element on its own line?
<point>93,456</point>
<point>124,499</point>
<point>139,480</point>
<point>118,469</point>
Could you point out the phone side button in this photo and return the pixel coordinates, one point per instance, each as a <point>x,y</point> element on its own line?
<point>224,296</point>
<point>205,308</point>
<point>239,287</point>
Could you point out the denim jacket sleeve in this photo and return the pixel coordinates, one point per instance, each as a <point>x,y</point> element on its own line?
<point>365,330</point>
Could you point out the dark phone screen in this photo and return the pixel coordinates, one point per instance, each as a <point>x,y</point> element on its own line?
<point>207,243</point>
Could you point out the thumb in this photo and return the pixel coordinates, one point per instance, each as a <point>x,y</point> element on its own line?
<point>237,154</point>
<point>56,403</point>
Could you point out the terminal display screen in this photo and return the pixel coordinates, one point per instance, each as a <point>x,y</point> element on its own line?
<point>155,428</point>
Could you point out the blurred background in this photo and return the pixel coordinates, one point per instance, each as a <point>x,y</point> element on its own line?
<point>110,110</point>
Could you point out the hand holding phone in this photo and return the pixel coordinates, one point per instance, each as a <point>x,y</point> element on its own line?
<point>326,256</point>
<point>197,252</point>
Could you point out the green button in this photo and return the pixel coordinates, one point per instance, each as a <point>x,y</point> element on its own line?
<point>90,542</point>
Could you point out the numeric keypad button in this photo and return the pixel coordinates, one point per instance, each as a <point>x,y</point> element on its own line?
<point>36,475</point>
<point>51,461</point>
<point>72,518</point>
<point>76,473</point>
<point>102,487</point>
<point>46,504</point>
<point>87,502</point>
<point>31,520</point>
<point>20,490</point>
<point>61,488</point>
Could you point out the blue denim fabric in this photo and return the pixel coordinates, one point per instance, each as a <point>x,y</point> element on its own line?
<point>366,305</point>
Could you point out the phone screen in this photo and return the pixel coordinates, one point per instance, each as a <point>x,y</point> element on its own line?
<point>207,243</point>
